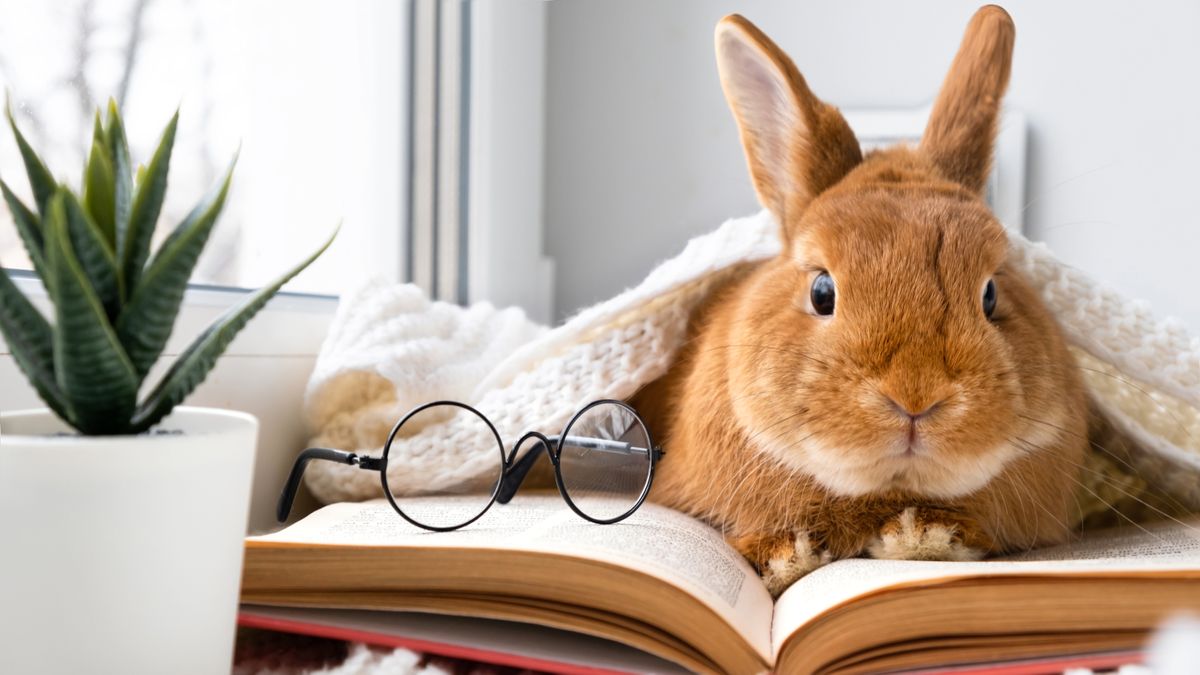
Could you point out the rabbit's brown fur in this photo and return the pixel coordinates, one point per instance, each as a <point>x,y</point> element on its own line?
<point>787,429</point>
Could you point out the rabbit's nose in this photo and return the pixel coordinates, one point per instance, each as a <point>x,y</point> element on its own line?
<point>914,411</point>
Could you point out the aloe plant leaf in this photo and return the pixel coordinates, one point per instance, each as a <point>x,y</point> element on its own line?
<point>98,191</point>
<point>216,195</point>
<point>41,181</point>
<point>199,358</point>
<point>94,255</point>
<point>98,129</point>
<point>147,204</point>
<point>29,226</point>
<point>91,369</point>
<point>30,339</point>
<point>149,315</point>
<point>118,148</point>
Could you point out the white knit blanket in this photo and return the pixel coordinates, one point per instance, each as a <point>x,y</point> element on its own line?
<point>391,349</point>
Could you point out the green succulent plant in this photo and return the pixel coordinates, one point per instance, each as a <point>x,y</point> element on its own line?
<point>115,303</point>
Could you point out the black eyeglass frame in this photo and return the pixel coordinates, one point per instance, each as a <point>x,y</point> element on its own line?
<point>512,472</point>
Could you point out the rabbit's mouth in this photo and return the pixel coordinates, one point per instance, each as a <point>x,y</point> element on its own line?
<point>912,442</point>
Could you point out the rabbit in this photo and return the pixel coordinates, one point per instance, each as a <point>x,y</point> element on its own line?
<point>887,385</point>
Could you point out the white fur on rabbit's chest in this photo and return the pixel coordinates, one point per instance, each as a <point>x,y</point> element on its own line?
<point>939,475</point>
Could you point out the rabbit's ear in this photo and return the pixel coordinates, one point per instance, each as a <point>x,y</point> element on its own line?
<point>796,145</point>
<point>962,125</point>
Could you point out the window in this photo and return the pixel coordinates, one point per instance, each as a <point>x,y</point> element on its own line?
<point>311,90</point>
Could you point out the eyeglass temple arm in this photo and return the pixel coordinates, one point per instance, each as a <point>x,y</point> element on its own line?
<point>605,445</point>
<point>516,474</point>
<point>284,507</point>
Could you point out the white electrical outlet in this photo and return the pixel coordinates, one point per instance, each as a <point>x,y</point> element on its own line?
<point>1006,185</point>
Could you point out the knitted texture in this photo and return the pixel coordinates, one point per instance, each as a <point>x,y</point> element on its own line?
<point>391,349</point>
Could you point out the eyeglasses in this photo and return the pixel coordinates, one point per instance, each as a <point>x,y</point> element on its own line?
<point>603,464</point>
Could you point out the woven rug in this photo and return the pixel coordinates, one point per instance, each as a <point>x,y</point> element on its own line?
<point>262,652</point>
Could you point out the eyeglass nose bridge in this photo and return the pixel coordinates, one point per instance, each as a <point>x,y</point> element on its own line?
<point>542,439</point>
<point>516,470</point>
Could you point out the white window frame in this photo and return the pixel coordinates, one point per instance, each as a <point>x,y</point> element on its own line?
<point>507,261</point>
<point>476,128</point>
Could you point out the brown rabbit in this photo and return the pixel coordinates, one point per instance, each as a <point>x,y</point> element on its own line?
<point>887,385</point>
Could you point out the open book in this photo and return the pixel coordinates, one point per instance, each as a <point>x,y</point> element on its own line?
<point>669,585</point>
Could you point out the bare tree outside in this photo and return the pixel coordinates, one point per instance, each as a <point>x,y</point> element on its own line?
<point>307,94</point>
<point>108,42</point>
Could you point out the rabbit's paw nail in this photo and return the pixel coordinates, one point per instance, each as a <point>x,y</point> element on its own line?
<point>910,537</point>
<point>789,564</point>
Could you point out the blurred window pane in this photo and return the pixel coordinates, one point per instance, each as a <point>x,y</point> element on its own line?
<point>311,90</point>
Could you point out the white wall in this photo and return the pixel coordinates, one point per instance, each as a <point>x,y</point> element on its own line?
<point>642,153</point>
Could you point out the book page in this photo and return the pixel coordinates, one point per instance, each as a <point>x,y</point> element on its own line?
<point>1153,548</point>
<point>656,540</point>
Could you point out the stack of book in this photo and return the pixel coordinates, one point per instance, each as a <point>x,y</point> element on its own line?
<point>532,585</point>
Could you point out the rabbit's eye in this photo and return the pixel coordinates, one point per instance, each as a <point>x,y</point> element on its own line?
<point>989,298</point>
<point>822,294</point>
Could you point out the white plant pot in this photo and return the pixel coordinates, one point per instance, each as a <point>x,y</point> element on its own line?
<point>122,554</point>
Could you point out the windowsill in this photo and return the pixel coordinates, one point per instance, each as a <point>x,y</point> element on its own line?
<point>292,324</point>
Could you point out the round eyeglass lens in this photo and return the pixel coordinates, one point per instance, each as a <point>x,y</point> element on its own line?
<point>605,461</point>
<point>445,434</point>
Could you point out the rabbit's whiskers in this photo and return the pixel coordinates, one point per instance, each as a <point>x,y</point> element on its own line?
<point>1115,486</point>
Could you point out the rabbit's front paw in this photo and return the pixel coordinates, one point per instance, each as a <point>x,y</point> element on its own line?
<point>928,534</point>
<point>782,558</point>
